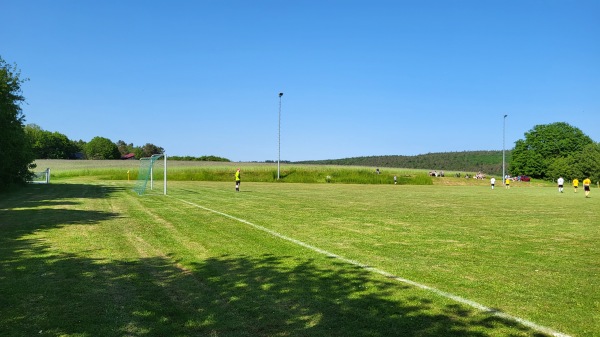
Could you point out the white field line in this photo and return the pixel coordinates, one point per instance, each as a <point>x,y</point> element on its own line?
<point>442,293</point>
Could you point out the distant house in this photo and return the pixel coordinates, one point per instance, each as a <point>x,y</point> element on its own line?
<point>128,156</point>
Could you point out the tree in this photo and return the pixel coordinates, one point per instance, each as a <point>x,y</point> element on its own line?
<point>50,145</point>
<point>150,149</point>
<point>102,148</point>
<point>543,145</point>
<point>17,156</point>
<point>525,161</point>
<point>80,149</point>
<point>588,162</point>
<point>563,167</point>
<point>125,148</point>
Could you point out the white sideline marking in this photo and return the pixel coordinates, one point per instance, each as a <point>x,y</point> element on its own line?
<point>442,293</point>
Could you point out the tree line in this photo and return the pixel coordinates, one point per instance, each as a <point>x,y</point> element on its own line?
<point>21,144</point>
<point>201,158</point>
<point>466,161</point>
<point>547,151</point>
<point>55,145</point>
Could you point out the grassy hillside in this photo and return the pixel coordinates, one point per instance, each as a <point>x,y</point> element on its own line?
<point>489,162</point>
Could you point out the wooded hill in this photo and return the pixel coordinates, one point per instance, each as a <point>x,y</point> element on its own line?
<point>489,162</point>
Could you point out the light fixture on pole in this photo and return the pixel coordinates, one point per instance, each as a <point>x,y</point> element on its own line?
<point>503,156</point>
<point>279,137</point>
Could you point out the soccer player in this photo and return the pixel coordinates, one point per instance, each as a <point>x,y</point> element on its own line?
<point>507,182</point>
<point>586,186</point>
<point>238,180</point>
<point>575,184</point>
<point>493,182</point>
<point>561,183</point>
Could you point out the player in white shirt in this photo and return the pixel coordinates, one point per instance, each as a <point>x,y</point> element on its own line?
<point>560,182</point>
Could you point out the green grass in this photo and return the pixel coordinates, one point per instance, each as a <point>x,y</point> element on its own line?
<point>88,258</point>
<point>252,172</point>
<point>220,171</point>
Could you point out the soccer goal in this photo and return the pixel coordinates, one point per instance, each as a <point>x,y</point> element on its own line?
<point>149,172</point>
<point>42,177</point>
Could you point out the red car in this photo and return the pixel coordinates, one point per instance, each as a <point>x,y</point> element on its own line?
<point>524,178</point>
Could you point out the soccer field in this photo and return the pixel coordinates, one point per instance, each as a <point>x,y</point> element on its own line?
<point>299,260</point>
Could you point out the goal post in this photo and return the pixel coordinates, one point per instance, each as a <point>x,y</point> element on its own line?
<point>42,177</point>
<point>148,172</point>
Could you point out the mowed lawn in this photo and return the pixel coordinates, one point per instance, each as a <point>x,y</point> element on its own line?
<point>94,259</point>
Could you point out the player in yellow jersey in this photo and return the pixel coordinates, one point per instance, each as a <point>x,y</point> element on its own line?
<point>575,184</point>
<point>507,182</point>
<point>586,186</point>
<point>238,180</point>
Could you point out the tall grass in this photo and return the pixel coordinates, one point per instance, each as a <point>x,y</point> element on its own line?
<point>251,172</point>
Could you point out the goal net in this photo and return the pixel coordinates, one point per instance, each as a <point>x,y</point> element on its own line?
<point>42,177</point>
<point>149,174</point>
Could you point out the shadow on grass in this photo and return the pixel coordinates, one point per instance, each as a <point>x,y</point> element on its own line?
<point>45,206</point>
<point>35,195</point>
<point>226,296</point>
<point>47,293</point>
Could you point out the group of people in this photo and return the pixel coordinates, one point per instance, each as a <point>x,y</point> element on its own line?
<point>586,185</point>
<point>506,182</point>
<point>436,173</point>
<point>479,175</point>
<point>560,181</point>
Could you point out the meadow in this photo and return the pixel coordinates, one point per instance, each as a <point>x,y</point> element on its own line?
<point>224,171</point>
<point>86,256</point>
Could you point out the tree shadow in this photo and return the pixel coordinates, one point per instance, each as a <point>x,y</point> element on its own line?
<point>223,296</point>
<point>44,206</point>
<point>45,292</point>
<point>55,194</point>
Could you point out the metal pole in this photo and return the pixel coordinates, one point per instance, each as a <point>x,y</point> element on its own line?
<point>503,155</point>
<point>151,175</point>
<point>165,176</point>
<point>279,137</point>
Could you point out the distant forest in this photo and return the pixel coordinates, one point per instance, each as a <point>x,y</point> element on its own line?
<point>489,162</point>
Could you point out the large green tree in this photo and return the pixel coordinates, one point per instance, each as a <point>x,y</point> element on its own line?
<point>125,148</point>
<point>102,148</point>
<point>17,157</point>
<point>587,162</point>
<point>149,149</point>
<point>50,145</point>
<point>548,151</point>
<point>139,151</point>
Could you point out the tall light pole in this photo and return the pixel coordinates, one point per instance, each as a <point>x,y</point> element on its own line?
<point>279,137</point>
<point>503,156</point>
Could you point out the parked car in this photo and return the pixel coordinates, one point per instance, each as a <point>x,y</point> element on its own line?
<point>524,178</point>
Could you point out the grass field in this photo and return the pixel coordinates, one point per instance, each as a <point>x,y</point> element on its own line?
<point>83,257</point>
<point>223,171</point>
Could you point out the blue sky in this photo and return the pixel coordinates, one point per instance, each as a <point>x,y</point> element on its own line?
<point>359,78</point>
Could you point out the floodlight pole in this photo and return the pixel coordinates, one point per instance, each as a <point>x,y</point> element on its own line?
<point>279,137</point>
<point>503,155</point>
